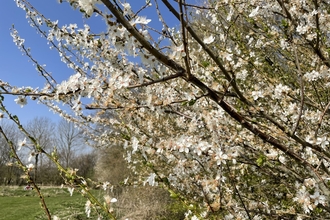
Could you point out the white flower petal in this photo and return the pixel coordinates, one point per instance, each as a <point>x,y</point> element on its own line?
<point>113,200</point>
<point>254,12</point>
<point>209,40</point>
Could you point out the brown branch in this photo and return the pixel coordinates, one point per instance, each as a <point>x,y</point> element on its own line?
<point>319,54</point>
<point>141,9</point>
<point>295,137</point>
<point>287,13</point>
<point>317,21</point>
<point>90,107</point>
<point>27,94</point>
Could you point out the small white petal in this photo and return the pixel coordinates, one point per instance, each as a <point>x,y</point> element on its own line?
<point>209,40</point>
<point>113,200</point>
<point>254,12</point>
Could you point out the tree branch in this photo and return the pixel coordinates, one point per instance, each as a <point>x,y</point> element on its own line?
<point>164,79</point>
<point>301,92</point>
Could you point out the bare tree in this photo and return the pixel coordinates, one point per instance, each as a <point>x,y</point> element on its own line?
<point>69,140</point>
<point>8,172</point>
<point>42,129</point>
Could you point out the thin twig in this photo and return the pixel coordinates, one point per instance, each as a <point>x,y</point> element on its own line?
<point>184,40</point>
<point>301,92</point>
<point>166,33</point>
<point>237,192</point>
<point>321,119</point>
<point>141,9</point>
<point>179,113</point>
<point>195,6</point>
<point>164,79</point>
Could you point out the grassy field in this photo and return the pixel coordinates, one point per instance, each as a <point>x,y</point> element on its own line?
<point>134,203</point>
<point>17,203</point>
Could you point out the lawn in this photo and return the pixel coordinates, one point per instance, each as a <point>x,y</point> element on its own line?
<point>17,203</point>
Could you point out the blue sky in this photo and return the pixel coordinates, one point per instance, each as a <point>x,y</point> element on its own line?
<point>16,68</point>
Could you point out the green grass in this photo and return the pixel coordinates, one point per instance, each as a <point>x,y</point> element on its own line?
<point>17,203</point>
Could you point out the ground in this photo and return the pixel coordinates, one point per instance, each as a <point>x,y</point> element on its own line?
<point>17,203</point>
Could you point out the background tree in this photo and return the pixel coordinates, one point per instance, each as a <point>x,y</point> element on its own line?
<point>42,129</point>
<point>9,173</point>
<point>69,141</point>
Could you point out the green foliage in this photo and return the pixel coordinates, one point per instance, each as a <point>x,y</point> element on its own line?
<point>175,210</point>
<point>285,24</point>
<point>205,63</point>
<point>15,118</point>
<point>189,103</point>
<point>261,160</point>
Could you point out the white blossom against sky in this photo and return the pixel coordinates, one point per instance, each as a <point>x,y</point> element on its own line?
<point>16,69</point>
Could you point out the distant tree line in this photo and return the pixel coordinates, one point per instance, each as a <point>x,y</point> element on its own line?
<point>62,136</point>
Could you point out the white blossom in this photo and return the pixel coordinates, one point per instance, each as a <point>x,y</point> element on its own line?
<point>318,199</point>
<point>21,143</point>
<point>254,12</point>
<point>242,74</point>
<point>21,100</point>
<point>280,91</point>
<point>257,94</point>
<point>113,200</point>
<point>151,179</point>
<point>322,141</point>
<point>140,20</point>
<point>88,208</point>
<point>30,166</point>
<point>209,39</point>
<point>312,76</point>
<point>87,6</point>
<point>105,185</point>
<point>71,189</point>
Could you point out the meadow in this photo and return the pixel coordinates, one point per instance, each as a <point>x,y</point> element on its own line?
<point>17,203</point>
<point>137,203</point>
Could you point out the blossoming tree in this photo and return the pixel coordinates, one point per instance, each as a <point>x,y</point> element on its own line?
<point>228,108</point>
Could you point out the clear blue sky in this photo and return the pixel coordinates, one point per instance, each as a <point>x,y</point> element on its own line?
<point>16,68</point>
